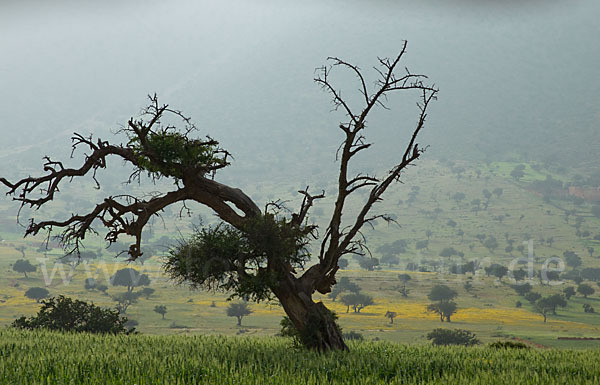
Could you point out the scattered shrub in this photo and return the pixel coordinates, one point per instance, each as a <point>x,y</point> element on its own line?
<point>65,314</point>
<point>463,337</point>
<point>508,345</point>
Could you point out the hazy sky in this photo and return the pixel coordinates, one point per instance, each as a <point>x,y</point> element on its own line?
<point>509,71</point>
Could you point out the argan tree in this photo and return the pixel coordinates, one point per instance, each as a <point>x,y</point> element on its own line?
<point>161,309</point>
<point>37,293</point>
<point>239,311</point>
<point>23,266</point>
<point>253,253</point>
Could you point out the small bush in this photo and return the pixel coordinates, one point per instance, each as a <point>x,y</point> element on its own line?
<point>508,345</point>
<point>65,314</point>
<point>353,336</point>
<point>463,337</point>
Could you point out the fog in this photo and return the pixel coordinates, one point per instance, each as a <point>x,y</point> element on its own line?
<point>516,79</point>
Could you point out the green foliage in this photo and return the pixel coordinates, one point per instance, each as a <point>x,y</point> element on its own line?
<point>522,289</point>
<point>572,259</point>
<point>169,153</point>
<point>585,290</point>
<point>307,336</point>
<point>441,293</point>
<point>23,266</point>
<point>462,337</point>
<point>161,309</point>
<point>353,336</point>
<point>445,309</point>
<point>65,314</point>
<point>223,258</point>
<point>357,301</point>
<point>532,296</point>
<point>369,264</point>
<point>496,270</point>
<point>129,278</point>
<point>238,310</point>
<point>37,293</point>
<point>508,345</point>
<point>569,291</point>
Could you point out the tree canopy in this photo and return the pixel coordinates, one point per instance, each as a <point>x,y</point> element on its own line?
<point>253,253</point>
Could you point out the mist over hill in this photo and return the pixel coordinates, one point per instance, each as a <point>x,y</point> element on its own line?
<point>517,79</point>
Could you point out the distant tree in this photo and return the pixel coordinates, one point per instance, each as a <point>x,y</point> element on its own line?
<point>442,337</point>
<point>543,306</point>
<point>343,263</point>
<point>126,299</point>
<point>344,284</point>
<point>391,315</point>
<point>161,309</point>
<point>532,296</point>
<point>585,290</point>
<point>130,278</point>
<point>480,238</point>
<point>357,301</point>
<point>23,266</point>
<point>102,288</point>
<point>445,309</point>
<point>468,286</point>
<point>65,314</point>
<point>238,310</point>
<point>519,275</point>
<point>517,173</point>
<point>590,250</point>
<point>573,260</point>
<point>441,293</point>
<point>428,234</point>
<point>587,308</point>
<point>460,233</point>
<point>404,278</point>
<point>412,266</point>
<point>591,274</point>
<point>458,197</point>
<point>522,289</point>
<point>557,300</point>
<point>390,260</point>
<point>451,223</point>
<point>491,244</point>
<point>569,291</point>
<point>21,249</point>
<point>497,270</point>
<point>448,252</point>
<point>147,292</point>
<point>423,244</point>
<point>37,293</point>
<point>486,194</point>
<point>369,264</point>
<point>498,191</point>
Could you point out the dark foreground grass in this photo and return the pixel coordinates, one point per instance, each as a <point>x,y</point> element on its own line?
<point>55,358</point>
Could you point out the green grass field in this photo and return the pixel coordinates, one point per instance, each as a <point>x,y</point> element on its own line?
<point>488,310</point>
<point>52,358</point>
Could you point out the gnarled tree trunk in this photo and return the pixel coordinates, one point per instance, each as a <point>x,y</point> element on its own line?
<point>315,323</point>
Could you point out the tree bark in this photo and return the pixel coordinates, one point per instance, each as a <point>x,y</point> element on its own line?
<point>318,329</point>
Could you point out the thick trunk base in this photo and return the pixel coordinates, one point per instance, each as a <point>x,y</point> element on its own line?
<point>314,323</point>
